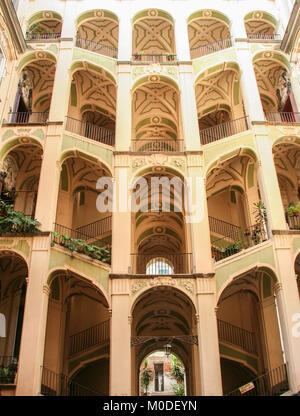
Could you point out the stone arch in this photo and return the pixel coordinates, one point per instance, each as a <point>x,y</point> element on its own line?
<point>75,152</point>
<point>260,22</point>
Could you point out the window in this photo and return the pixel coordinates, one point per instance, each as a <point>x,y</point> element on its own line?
<point>159,265</point>
<point>159,377</point>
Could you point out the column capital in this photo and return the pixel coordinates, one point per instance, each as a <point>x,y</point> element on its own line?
<point>46,290</point>
<point>278,288</point>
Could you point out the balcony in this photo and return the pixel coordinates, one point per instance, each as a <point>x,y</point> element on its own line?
<point>282,117</point>
<point>96,47</point>
<point>27,117</point>
<point>91,131</point>
<point>156,145</point>
<point>8,369</point>
<point>227,129</point>
<point>161,58</point>
<point>209,48</point>
<point>161,263</point>
<point>294,222</point>
<point>42,36</point>
<point>238,241</point>
<point>264,36</point>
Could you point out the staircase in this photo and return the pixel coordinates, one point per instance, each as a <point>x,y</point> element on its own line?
<point>94,336</point>
<point>96,230</point>
<point>223,228</point>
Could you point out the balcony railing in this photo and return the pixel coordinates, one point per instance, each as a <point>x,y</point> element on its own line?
<point>62,230</point>
<point>284,117</point>
<point>90,337</point>
<point>224,130</point>
<point>8,369</point>
<point>160,263</point>
<point>222,227</point>
<point>53,384</point>
<point>263,36</point>
<point>101,48</point>
<point>294,222</point>
<point>212,47</point>
<point>272,383</point>
<point>162,58</point>
<point>42,36</point>
<point>27,117</point>
<point>237,336</point>
<point>241,240</point>
<point>91,131</point>
<point>157,145</point>
<point>96,228</point>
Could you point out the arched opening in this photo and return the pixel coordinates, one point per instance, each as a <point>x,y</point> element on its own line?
<point>287,163</point>
<point>44,25</point>
<point>272,76</point>
<point>78,214</point>
<point>237,217</point>
<point>34,92</point>
<point>156,116</point>
<point>153,38</point>
<point>98,31</point>
<point>162,375</point>
<point>297,271</point>
<point>208,32</point>
<point>77,338</point>
<point>161,243</point>
<point>92,105</point>
<point>20,176</point>
<point>14,272</point>
<point>249,336</point>
<point>261,25</point>
<point>217,121</point>
<point>164,317</point>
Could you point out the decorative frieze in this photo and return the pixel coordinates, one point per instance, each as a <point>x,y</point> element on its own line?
<point>155,68</point>
<point>188,285</point>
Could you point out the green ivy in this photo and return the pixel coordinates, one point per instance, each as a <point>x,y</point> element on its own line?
<point>16,222</point>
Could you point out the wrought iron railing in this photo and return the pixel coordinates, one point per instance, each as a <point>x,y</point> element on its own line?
<point>96,228</point>
<point>294,222</point>
<point>43,36</point>
<point>162,263</point>
<point>264,36</point>
<point>8,369</point>
<point>101,48</point>
<point>53,384</point>
<point>237,241</point>
<point>62,230</point>
<point>237,336</point>
<point>282,117</point>
<point>157,145</point>
<point>222,227</point>
<point>90,337</point>
<point>272,383</point>
<point>91,131</point>
<point>209,48</point>
<point>227,129</point>
<point>26,117</point>
<point>162,58</point>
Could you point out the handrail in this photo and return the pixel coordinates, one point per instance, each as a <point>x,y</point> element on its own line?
<point>156,145</point>
<point>54,384</point>
<point>264,36</point>
<point>26,117</point>
<point>42,36</point>
<point>96,228</point>
<point>282,117</point>
<point>61,229</point>
<point>95,335</point>
<point>91,131</point>
<point>220,131</point>
<point>240,240</point>
<point>162,263</point>
<point>271,383</point>
<point>222,227</point>
<point>97,47</point>
<point>211,47</point>
<point>237,336</point>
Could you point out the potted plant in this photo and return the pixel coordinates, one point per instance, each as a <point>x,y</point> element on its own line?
<point>293,210</point>
<point>146,376</point>
<point>170,56</point>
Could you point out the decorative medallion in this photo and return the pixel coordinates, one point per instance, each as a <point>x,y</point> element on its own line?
<point>153,13</point>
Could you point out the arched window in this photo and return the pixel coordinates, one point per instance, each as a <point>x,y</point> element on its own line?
<point>159,265</point>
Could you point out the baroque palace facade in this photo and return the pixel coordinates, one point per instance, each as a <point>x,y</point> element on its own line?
<point>133,92</point>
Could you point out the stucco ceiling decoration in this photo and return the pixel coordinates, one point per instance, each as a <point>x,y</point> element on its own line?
<point>204,30</point>
<point>100,30</point>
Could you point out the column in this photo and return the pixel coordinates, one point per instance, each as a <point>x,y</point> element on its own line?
<point>120,337</point>
<point>198,219</point>
<point>288,308</point>
<point>123,115</point>
<point>238,28</point>
<point>295,83</point>
<point>49,179</point>
<point>284,13</point>
<point>121,219</point>
<point>34,322</point>
<point>188,108</point>
<point>208,342</point>
<point>125,35</point>
<point>182,39</point>
<point>62,82</point>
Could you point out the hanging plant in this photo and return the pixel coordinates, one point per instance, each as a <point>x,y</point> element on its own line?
<point>16,222</point>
